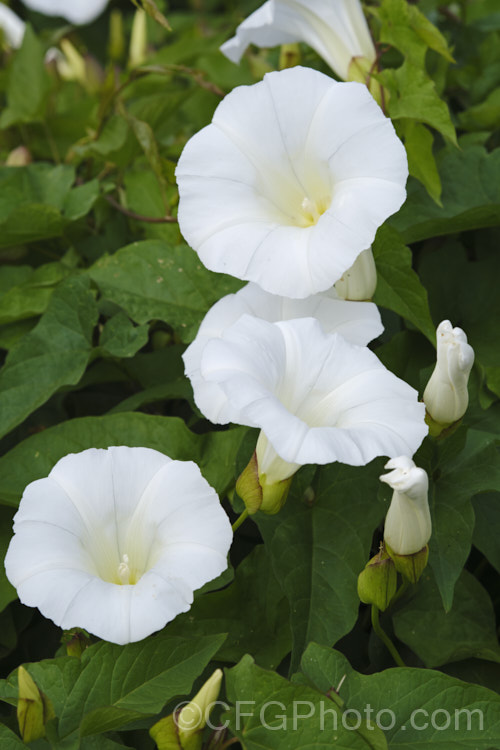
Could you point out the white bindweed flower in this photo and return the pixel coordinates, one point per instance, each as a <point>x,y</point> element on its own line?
<point>115,541</point>
<point>408,524</point>
<point>11,26</point>
<point>335,29</point>
<point>290,182</point>
<point>446,396</point>
<point>78,12</point>
<point>316,397</point>
<point>358,322</point>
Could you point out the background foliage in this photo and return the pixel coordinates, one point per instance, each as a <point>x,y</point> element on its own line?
<point>99,297</point>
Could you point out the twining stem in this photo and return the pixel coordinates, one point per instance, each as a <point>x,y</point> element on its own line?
<point>242,517</point>
<point>140,217</point>
<point>385,638</point>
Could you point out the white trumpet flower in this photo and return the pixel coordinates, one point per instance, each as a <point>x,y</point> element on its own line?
<point>446,396</point>
<point>290,182</point>
<point>358,322</point>
<point>408,524</point>
<point>78,12</point>
<point>335,29</point>
<point>316,397</point>
<point>115,541</point>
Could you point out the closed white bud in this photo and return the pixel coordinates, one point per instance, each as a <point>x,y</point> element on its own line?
<point>408,524</point>
<point>446,397</point>
<point>360,280</point>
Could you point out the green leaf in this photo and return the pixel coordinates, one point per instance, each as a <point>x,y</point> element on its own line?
<point>31,296</point>
<point>120,338</point>
<point>452,486</point>
<point>398,286</point>
<point>152,10</point>
<point>33,458</point>
<point>413,96</point>
<point>487,512</point>
<point>173,389</point>
<point>37,202</point>
<point>154,280</point>
<point>274,714</point>
<point>470,197</point>
<point>10,334</point>
<point>467,630</point>
<point>421,162</point>
<point>405,27</point>
<point>318,548</point>
<point>53,354</point>
<point>252,610</point>
<point>146,675</point>
<point>411,700</point>
<point>27,84</point>
<point>483,116</point>
<point>146,139</point>
<point>80,200</point>
<point>9,740</point>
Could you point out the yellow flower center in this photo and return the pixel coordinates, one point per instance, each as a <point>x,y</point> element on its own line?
<point>311,210</point>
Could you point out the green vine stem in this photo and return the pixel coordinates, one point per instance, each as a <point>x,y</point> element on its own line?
<point>385,638</point>
<point>242,517</point>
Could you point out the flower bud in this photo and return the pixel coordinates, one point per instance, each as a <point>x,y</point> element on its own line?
<point>265,483</point>
<point>33,708</point>
<point>377,583</point>
<point>138,40</point>
<point>116,45</point>
<point>360,280</point>
<point>183,729</point>
<point>446,397</point>
<point>408,524</point>
<point>76,641</point>
<point>18,157</point>
<point>193,717</point>
<point>71,66</point>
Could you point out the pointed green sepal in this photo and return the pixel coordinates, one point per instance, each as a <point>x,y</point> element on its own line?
<point>411,567</point>
<point>360,70</point>
<point>76,641</point>
<point>257,494</point>
<point>377,583</point>
<point>165,734</point>
<point>290,56</point>
<point>438,430</point>
<point>248,486</point>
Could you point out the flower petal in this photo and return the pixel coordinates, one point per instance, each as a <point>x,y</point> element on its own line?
<point>266,190</point>
<point>12,26</point>
<point>316,397</point>
<point>115,541</point>
<point>337,31</point>
<point>76,11</point>
<point>358,322</point>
